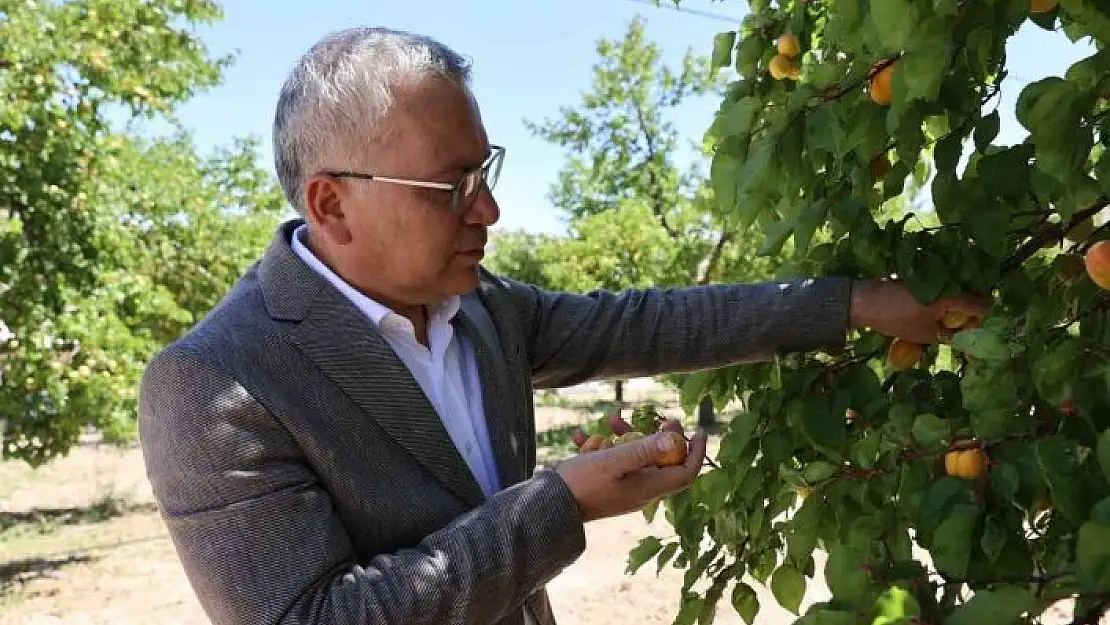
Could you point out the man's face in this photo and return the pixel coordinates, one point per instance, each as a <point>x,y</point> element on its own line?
<point>399,243</point>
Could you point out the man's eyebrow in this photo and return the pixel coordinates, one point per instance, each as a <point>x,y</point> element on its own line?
<point>460,164</point>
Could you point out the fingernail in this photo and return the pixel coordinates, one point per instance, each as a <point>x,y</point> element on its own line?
<point>665,443</point>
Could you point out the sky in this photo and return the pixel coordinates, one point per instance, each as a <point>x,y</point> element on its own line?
<point>558,37</point>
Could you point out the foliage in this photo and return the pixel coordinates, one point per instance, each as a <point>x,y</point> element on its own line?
<point>110,245</point>
<point>840,452</point>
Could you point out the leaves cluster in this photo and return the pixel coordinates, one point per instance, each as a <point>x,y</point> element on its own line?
<point>837,456</point>
<point>110,244</point>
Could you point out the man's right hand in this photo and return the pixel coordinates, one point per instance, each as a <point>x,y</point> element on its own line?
<point>618,480</point>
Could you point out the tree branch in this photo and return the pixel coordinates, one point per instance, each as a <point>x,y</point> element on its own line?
<point>655,189</point>
<point>715,257</point>
<point>1037,241</point>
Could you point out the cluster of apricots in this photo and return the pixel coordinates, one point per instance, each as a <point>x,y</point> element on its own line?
<point>784,64</point>
<point>903,355</point>
<point>622,434</point>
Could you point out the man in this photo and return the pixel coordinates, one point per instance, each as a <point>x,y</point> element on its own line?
<point>348,436</point>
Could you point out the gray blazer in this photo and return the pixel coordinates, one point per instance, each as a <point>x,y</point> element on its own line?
<point>304,477</point>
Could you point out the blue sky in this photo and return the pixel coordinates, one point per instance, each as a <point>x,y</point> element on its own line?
<point>559,36</point>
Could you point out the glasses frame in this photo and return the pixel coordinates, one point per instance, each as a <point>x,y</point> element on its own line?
<point>485,174</point>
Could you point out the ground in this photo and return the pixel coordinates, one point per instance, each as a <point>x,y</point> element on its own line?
<point>81,543</point>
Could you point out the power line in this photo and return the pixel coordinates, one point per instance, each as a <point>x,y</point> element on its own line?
<point>698,12</point>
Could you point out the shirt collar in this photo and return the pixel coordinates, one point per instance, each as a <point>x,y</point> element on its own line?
<point>441,312</point>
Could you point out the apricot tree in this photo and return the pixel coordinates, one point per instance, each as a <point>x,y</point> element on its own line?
<point>962,482</point>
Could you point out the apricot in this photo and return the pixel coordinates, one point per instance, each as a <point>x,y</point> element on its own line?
<point>879,87</point>
<point>1042,6</point>
<point>781,67</point>
<point>789,46</point>
<point>903,354</point>
<point>954,319</point>
<point>676,455</point>
<point>966,463</point>
<point>593,443</point>
<point>1097,262</point>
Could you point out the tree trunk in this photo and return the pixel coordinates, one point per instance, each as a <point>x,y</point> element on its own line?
<point>618,388</point>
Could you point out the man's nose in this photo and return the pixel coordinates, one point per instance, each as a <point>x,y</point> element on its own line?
<point>484,210</point>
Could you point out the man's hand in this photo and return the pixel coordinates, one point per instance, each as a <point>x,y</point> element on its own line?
<point>618,480</point>
<point>889,308</point>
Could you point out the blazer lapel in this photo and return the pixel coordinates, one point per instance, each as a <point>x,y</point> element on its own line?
<point>347,348</point>
<point>506,437</point>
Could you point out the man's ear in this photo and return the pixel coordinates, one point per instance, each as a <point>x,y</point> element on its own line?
<point>324,206</point>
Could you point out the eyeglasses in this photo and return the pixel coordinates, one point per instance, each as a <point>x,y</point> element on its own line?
<point>463,191</point>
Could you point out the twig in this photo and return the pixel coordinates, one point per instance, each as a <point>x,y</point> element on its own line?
<point>1038,240</point>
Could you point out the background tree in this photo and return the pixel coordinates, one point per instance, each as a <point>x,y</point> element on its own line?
<point>110,245</point>
<point>991,452</point>
<point>637,217</point>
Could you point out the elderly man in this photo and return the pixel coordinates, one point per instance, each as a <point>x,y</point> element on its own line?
<point>348,437</point>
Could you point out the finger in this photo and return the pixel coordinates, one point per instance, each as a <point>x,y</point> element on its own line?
<point>579,437</point>
<point>618,424</point>
<point>639,454</point>
<point>672,425</point>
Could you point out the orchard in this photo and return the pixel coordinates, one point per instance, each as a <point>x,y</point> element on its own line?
<point>987,450</point>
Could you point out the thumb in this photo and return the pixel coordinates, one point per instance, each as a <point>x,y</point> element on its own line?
<point>643,452</point>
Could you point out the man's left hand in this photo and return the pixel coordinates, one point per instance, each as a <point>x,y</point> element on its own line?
<point>889,308</point>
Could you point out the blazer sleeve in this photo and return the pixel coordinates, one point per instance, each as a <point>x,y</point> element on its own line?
<point>573,338</point>
<point>261,543</point>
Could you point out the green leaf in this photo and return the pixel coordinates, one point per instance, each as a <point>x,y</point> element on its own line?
<point>930,431</point>
<point>818,471</point>
<point>1104,452</point>
<point>986,129</point>
<point>844,573</point>
<point>924,67</point>
<point>896,606</point>
<point>982,343</point>
<point>645,550</point>
<point>952,541</point>
<point>1093,552</point>
<point>788,586</point>
<point>822,427</point>
<point>993,539</point>
<point>894,22</point>
<point>1058,458</point>
<point>723,43</point>
<point>746,602</point>
<point>1001,606</point>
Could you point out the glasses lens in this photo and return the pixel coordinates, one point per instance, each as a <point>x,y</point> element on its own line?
<point>492,169</point>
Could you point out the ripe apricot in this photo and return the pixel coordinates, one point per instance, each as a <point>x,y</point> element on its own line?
<point>677,453</point>
<point>1042,6</point>
<point>789,46</point>
<point>781,67</point>
<point>879,86</point>
<point>966,463</point>
<point>593,443</point>
<point>903,354</point>
<point>1097,262</point>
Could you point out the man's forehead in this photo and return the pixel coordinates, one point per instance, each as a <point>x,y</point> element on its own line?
<point>438,126</point>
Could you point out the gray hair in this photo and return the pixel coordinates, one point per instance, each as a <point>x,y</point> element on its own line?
<point>342,88</point>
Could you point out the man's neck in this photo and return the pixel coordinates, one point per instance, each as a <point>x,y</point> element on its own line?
<point>416,314</point>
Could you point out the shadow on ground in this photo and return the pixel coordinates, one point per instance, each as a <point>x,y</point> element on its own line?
<point>45,520</point>
<point>27,570</point>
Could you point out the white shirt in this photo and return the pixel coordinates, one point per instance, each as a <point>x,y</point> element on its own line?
<point>446,370</point>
